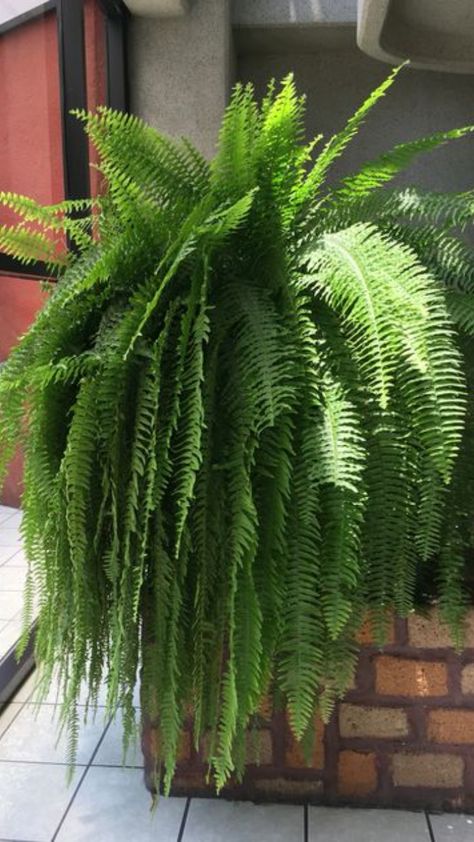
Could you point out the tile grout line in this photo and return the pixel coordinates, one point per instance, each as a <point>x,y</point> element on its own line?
<point>305,822</point>
<point>7,761</point>
<point>184,820</point>
<point>80,782</point>
<point>7,839</point>
<point>430,826</point>
<point>16,550</point>
<point>11,557</point>
<point>8,517</point>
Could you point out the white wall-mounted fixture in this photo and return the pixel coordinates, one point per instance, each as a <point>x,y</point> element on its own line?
<point>158,8</point>
<point>433,34</point>
<point>10,9</point>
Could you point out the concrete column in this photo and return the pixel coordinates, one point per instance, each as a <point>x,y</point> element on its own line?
<point>181,71</point>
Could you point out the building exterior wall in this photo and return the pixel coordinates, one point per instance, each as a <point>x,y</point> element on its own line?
<point>336,81</point>
<point>180,71</point>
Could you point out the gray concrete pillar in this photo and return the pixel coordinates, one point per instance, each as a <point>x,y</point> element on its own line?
<point>181,71</point>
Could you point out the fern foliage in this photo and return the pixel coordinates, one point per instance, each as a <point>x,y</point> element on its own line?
<point>245,418</point>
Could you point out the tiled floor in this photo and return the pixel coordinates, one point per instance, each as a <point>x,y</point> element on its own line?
<point>12,578</point>
<point>108,803</point>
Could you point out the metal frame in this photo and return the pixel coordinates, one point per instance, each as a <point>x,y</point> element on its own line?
<point>73,90</point>
<point>116,17</point>
<point>73,93</point>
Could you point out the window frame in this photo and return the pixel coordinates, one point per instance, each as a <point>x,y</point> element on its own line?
<point>73,94</point>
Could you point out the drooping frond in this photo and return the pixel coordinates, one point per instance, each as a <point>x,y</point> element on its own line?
<point>341,465</point>
<point>395,319</point>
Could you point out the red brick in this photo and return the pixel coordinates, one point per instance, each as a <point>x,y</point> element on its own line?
<point>361,721</point>
<point>356,773</point>
<point>366,635</point>
<point>430,770</point>
<point>467,680</point>
<point>451,726</point>
<point>429,632</point>
<point>184,748</point>
<point>469,629</point>
<point>295,756</point>
<point>353,684</point>
<point>408,677</point>
<point>187,781</point>
<point>259,747</point>
<point>265,709</point>
<point>286,788</point>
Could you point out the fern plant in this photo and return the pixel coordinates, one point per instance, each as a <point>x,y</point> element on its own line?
<point>245,419</point>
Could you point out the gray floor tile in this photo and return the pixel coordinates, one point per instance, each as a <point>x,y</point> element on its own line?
<point>7,512</point>
<point>448,828</point>
<point>10,538</point>
<point>16,560</point>
<point>11,602</point>
<point>328,824</point>
<point>10,523</point>
<point>27,691</point>
<point>14,520</point>
<point>111,749</point>
<point>12,578</point>
<point>212,820</point>
<point>33,800</point>
<point>7,553</point>
<point>8,714</point>
<point>33,737</point>
<point>112,805</point>
<point>55,694</point>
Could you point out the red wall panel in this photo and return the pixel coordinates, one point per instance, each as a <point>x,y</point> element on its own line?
<point>30,124</point>
<point>31,150</point>
<point>30,163</point>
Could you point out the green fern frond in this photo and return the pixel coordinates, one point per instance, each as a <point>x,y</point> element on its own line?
<point>340,472</point>
<point>383,169</point>
<point>246,414</point>
<point>338,142</point>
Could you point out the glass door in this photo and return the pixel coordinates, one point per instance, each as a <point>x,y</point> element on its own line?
<point>54,57</point>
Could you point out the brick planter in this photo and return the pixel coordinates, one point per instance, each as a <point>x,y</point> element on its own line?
<point>403,736</point>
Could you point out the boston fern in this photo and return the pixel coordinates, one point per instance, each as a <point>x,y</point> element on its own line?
<point>243,411</point>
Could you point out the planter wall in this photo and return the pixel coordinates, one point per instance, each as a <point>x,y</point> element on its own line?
<point>403,736</point>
